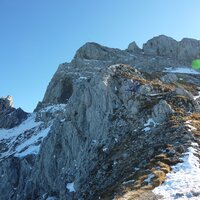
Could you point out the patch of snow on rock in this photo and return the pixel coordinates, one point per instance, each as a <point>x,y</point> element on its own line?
<point>182,70</point>
<point>189,126</point>
<point>29,146</point>
<point>184,180</point>
<point>127,182</point>
<point>150,123</point>
<point>146,129</point>
<point>70,187</point>
<point>148,179</point>
<point>82,78</point>
<point>24,139</point>
<point>28,124</point>
<point>51,198</point>
<point>54,108</point>
<point>196,97</point>
<point>105,80</point>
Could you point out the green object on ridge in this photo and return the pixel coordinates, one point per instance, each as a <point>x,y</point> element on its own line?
<point>196,64</point>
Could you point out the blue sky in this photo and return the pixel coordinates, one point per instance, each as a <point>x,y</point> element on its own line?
<point>37,35</point>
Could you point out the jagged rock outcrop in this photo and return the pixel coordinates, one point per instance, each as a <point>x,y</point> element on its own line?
<point>95,51</point>
<point>188,49</point>
<point>9,116</point>
<point>6,103</point>
<point>157,54</point>
<point>133,48</point>
<point>104,130</point>
<point>161,46</point>
<point>184,51</point>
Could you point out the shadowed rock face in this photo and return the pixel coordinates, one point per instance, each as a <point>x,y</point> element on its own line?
<point>9,116</point>
<point>62,89</point>
<point>106,136</point>
<point>6,104</point>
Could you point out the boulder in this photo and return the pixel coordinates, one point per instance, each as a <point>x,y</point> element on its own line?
<point>181,91</point>
<point>161,111</point>
<point>169,78</point>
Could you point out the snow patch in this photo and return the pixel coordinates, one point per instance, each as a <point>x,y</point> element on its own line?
<point>51,198</point>
<point>24,139</point>
<point>28,124</point>
<point>29,146</point>
<point>127,182</point>
<point>105,80</point>
<point>70,187</point>
<point>148,179</point>
<point>184,180</point>
<point>190,127</point>
<point>105,149</point>
<point>182,70</point>
<point>146,129</point>
<point>196,97</point>
<point>62,120</point>
<point>150,123</point>
<point>54,108</point>
<point>82,78</point>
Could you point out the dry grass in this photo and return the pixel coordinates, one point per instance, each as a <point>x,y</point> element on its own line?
<point>189,87</point>
<point>193,117</point>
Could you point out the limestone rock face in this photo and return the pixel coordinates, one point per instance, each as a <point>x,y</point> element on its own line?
<point>9,116</point>
<point>60,88</point>
<point>161,111</point>
<point>97,52</point>
<point>6,104</point>
<point>184,51</point>
<point>102,127</point>
<point>188,50</point>
<point>161,46</point>
<point>157,54</point>
<point>133,48</point>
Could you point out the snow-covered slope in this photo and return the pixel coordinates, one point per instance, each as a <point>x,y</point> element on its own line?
<point>182,70</point>
<point>184,180</point>
<point>24,139</point>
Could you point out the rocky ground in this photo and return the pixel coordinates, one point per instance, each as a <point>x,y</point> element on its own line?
<point>106,130</point>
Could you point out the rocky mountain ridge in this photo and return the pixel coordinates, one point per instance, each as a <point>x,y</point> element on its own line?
<point>106,130</point>
<point>9,116</point>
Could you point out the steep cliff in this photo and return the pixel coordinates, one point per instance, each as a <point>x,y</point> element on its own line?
<point>106,130</point>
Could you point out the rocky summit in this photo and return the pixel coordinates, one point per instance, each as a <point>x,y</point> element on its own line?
<point>113,124</point>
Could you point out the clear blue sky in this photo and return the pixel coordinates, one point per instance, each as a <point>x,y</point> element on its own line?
<point>37,35</point>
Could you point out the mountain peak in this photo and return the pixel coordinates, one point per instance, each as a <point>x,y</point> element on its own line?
<point>113,124</point>
<point>9,116</point>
